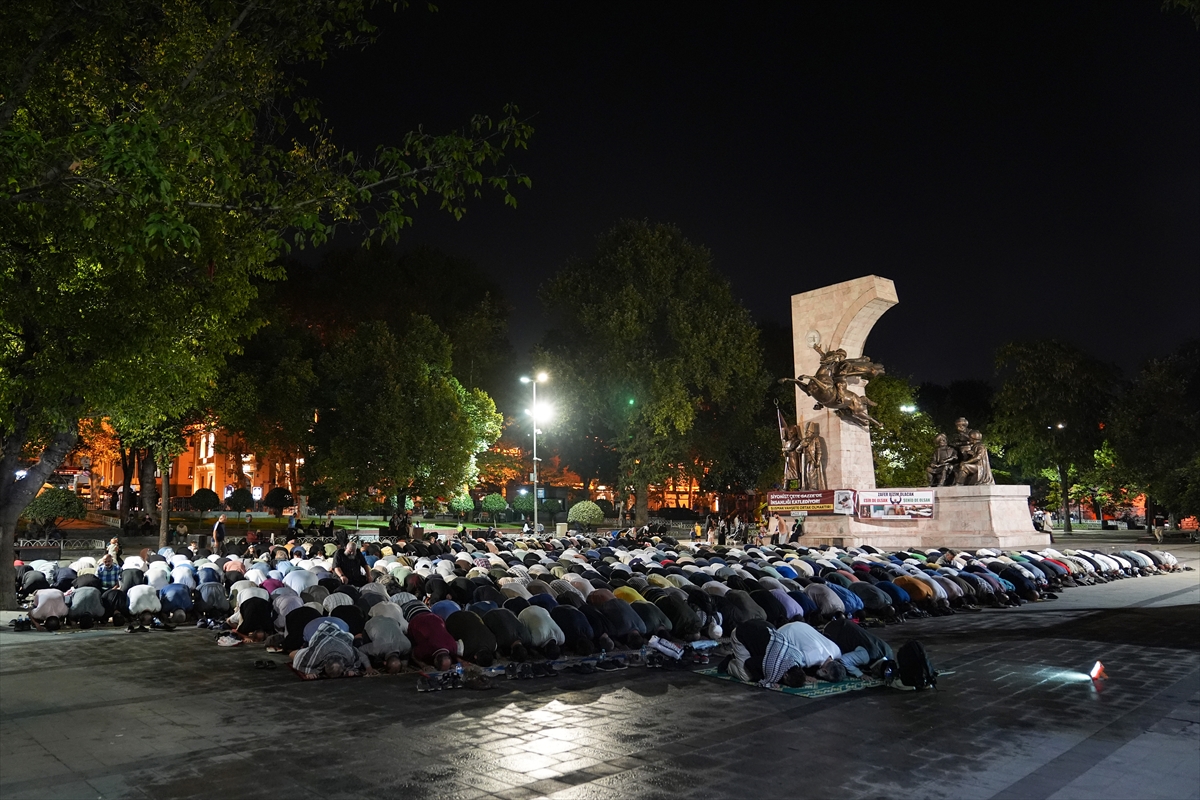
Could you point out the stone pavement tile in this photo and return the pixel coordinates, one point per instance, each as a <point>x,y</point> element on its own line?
<point>75,790</point>
<point>526,762</point>
<point>546,746</point>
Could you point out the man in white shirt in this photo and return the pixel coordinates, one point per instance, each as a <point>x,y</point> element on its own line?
<point>50,611</point>
<point>143,605</point>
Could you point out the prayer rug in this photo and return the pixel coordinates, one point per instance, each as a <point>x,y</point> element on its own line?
<point>810,689</point>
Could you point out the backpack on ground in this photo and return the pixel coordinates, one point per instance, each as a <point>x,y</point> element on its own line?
<point>915,669</point>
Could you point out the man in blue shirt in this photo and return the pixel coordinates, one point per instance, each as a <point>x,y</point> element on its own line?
<point>108,572</point>
<point>175,597</point>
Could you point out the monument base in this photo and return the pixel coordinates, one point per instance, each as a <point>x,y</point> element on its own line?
<point>964,518</point>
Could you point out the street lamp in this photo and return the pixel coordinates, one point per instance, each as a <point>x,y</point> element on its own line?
<point>535,413</point>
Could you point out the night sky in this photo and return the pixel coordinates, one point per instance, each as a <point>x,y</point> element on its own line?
<point>1019,170</point>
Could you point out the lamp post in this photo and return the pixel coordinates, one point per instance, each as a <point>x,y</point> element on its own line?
<point>541,377</point>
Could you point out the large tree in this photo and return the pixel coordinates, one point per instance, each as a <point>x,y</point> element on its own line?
<point>157,158</point>
<point>1052,407</point>
<point>393,419</point>
<point>1156,431</point>
<point>648,336</point>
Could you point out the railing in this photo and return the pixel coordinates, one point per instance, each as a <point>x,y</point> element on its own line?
<point>65,544</point>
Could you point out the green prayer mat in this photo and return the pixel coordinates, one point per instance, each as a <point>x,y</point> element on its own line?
<point>810,689</point>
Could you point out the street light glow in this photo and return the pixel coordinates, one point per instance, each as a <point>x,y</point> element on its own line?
<point>542,412</point>
<point>908,409</point>
<point>542,377</point>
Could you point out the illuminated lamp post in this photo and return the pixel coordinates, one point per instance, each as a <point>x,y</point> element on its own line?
<point>534,414</point>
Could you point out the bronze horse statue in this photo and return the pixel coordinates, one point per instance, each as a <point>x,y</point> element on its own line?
<point>828,385</point>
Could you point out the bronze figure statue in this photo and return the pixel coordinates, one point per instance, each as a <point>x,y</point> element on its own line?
<point>804,456</point>
<point>828,386</point>
<point>793,454</point>
<point>961,459</point>
<point>812,471</point>
<point>974,467</point>
<point>941,469</point>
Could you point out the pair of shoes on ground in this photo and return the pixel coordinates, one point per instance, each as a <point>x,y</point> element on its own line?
<point>265,663</point>
<point>227,640</point>
<point>527,670</point>
<point>452,680</point>
<point>20,624</point>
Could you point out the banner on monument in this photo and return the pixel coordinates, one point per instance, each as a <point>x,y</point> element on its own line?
<point>799,504</point>
<point>896,504</point>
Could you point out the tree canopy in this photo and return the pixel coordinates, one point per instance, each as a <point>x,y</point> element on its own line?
<point>1155,430</point>
<point>393,418</point>
<point>903,444</point>
<point>158,157</point>
<point>648,338</point>
<point>1052,406</point>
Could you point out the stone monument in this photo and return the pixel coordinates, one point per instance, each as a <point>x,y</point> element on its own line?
<point>830,319</point>
<point>829,329</point>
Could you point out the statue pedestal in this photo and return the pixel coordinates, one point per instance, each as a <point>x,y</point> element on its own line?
<point>964,517</point>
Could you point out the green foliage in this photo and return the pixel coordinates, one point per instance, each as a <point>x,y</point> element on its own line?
<point>494,503</point>
<point>205,500</point>
<point>278,499</point>
<point>157,158</point>
<point>241,500</point>
<point>53,506</point>
<point>462,503</point>
<point>321,498</point>
<point>1155,430</point>
<point>1048,384</point>
<point>1052,406</point>
<point>392,417</point>
<point>586,513</point>
<point>903,447</point>
<point>361,503</point>
<point>666,333</point>
<point>523,503</point>
<point>551,506</point>
<point>1105,484</point>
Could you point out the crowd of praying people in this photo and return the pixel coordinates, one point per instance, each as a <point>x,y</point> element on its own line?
<point>784,614</point>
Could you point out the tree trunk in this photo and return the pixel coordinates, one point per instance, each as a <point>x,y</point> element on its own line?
<point>149,489</point>
<point>16,495</point>
<point>128,462</point>
<point>164,521</point>
<point>641,493</point>
<point>1065,490</point>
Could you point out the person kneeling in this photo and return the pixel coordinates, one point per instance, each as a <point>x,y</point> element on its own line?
<point>330,654</point>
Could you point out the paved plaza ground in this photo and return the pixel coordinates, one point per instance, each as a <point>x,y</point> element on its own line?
<point>169,715</point>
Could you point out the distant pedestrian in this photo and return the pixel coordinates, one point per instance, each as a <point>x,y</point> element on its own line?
<point>218,536</point>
